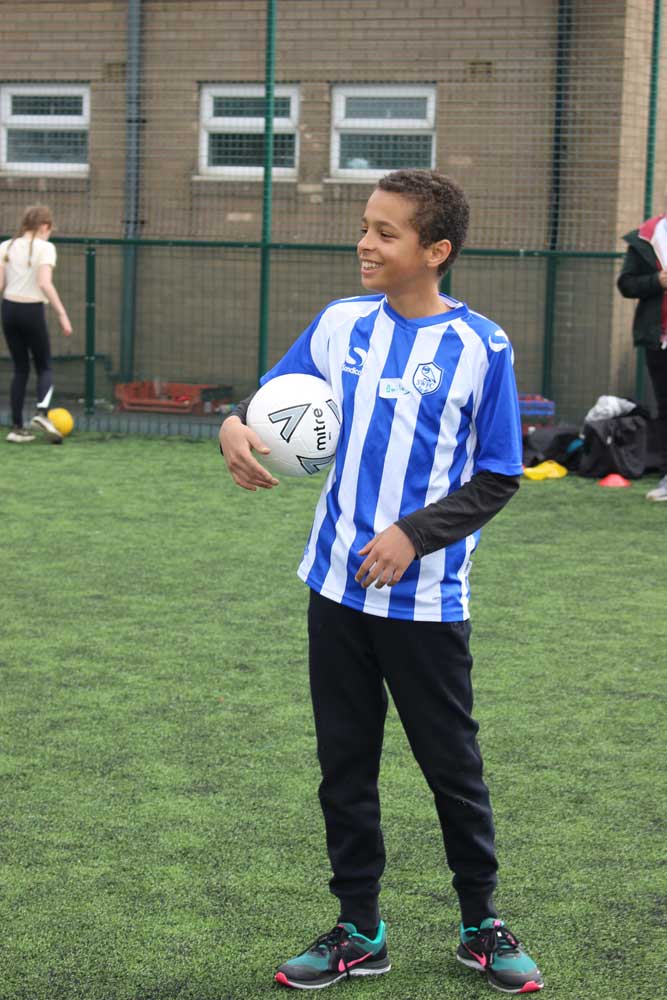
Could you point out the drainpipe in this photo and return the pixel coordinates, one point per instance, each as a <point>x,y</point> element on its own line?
<point>131,222</point>
<point>557,158</point>
<point>564,36</point>
<point>650,161</point>
<point>267,191</point>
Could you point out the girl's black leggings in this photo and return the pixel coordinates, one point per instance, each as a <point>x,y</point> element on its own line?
<point>426,666</point>
<point>656,362</point>
<point>26,333</point>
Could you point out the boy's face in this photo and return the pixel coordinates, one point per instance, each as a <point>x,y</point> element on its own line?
<point>392,258</point>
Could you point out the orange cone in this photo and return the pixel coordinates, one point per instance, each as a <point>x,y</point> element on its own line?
<point>613,479</point>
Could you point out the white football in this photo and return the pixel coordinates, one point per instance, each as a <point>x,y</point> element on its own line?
<point>298,418</point>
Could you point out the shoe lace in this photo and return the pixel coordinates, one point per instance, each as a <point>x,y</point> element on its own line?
<point>497,939</point>
<point>333,942</point>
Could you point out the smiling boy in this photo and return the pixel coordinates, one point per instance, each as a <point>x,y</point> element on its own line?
<point>429,451</point>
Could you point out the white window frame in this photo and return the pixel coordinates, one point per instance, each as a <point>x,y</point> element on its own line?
<point>211,125</point>
<point>341,125</point>
<point>36,123</point>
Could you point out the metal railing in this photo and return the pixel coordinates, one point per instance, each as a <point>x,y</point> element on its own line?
<point>541,342</point>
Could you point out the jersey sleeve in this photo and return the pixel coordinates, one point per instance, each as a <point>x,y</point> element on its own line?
<point>308,355</point>
<point>498,420</point>
<point>47,254</point>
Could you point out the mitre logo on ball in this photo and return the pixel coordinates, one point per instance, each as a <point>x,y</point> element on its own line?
<point>298,418</point>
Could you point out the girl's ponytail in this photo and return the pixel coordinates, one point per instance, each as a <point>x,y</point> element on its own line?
<point>33,217</point>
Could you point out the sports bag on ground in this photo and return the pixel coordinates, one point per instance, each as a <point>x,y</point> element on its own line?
<point>542,444</point>
<point>617,444</point>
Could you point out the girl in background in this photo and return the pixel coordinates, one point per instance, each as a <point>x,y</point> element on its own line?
<point>26,280</point>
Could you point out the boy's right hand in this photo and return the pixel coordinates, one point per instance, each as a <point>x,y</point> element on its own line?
<point>238,443</point>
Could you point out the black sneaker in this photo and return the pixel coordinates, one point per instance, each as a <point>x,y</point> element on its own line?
<point>493,949</point>
<point>42,423</point>
<point>340,954</point>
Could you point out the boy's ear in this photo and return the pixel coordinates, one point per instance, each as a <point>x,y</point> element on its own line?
<point>438,253</point>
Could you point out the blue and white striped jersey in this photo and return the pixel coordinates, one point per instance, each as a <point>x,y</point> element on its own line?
<point>426,403</point>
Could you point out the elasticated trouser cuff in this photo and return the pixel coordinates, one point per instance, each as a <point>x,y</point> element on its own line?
<point>476,908</point>
<point>360,912</point>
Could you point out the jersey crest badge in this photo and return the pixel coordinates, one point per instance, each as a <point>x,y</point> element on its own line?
<point>427,378</point>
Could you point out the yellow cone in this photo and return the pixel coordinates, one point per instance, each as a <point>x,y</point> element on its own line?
<point>545,470</point>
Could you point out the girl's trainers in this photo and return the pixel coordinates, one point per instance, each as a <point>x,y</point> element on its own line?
<point>340,954</point>
<point>492,948</point>
<point>42,423</point>
<point>19,435</point>
<point>660,491</point>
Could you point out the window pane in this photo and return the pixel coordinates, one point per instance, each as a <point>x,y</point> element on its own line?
<point>385,152</point>
<point>33,146</point>
<point>385,107</point>
<point>47,104</point>
<point>242,149</point>
<point>249,107</point>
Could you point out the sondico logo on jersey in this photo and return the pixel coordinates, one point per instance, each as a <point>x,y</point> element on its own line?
<point>498,341</point>
<point>427,378</point>
<point>353,365</point>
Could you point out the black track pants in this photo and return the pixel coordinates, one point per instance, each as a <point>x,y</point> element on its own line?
<point>426,666</point>
<point>656,362</point>
<point>26,333</point>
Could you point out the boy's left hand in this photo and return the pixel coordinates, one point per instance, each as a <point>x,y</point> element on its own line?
<point>388,555</point>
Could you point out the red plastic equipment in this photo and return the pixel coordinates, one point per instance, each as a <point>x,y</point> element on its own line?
<point>156,396</point>
<point>614,480</point>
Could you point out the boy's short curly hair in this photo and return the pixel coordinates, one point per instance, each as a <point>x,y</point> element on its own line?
<point>442,211</point>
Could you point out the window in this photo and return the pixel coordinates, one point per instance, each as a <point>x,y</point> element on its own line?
<point>232,131</point>
<point>381,128</point>
<point>44,128</point>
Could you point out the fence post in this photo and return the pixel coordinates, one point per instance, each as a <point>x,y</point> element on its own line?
<point>89,357</point>
<point>267,192</point>
<point>128,311</point>
<point>549,323</point>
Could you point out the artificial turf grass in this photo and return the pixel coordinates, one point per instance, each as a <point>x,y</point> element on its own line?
<point>161,831</point>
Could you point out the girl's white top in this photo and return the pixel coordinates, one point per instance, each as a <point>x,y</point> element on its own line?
<point>22,268</point>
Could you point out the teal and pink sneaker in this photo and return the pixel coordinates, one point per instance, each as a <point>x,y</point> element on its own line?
<point>492,948</point>
<point>340,954</point>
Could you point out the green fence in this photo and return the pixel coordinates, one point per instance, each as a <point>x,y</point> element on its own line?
<point>533,294</point>
<point>208,164</point>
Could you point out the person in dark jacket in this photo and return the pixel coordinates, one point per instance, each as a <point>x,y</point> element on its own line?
<point>644,277</point>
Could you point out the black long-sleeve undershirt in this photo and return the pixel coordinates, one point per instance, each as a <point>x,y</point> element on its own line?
<point>453,517</point>
<point>460,513</point>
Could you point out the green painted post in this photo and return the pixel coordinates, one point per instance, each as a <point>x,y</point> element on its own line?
<point>549,324</point>
<point>650,162</point>
<point>89,357</point>
<point>128,311</point>
<point>267,192</point>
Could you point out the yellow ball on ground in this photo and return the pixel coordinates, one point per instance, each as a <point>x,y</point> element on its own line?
<point>62,420</point>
